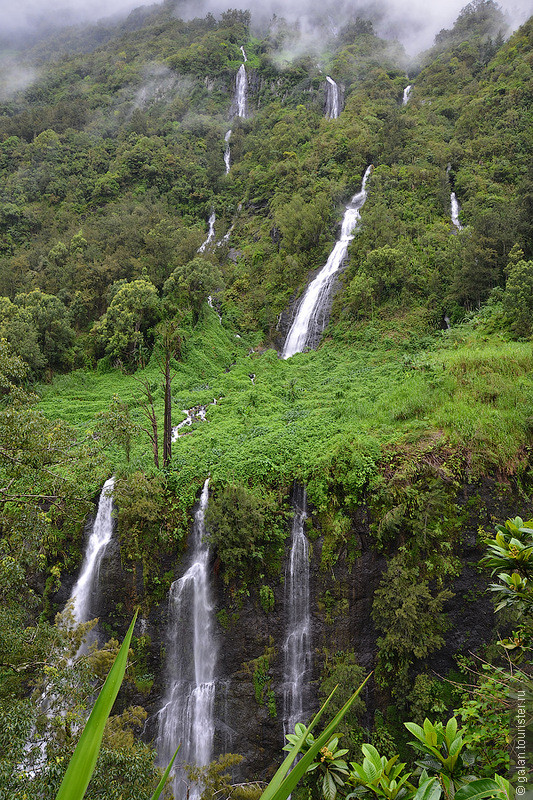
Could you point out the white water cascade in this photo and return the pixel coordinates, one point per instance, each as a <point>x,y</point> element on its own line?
<point>86,586</point>
<point>311,316</point>
<point>241,91</point>
<point>241,88</point>
<point>191,415</point>
<point>187,716</point>
<point>227,151</point>
<point>297,647</point>
<point>333,104</point>
<point>211,233</point>
<point>455,209</point>
<point>406,94</point>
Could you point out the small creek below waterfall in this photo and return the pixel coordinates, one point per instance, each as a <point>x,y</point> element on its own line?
<point>187,715</point>
<point>191,415</point>
<point>297,647</point>
<point>86,587</point>
<point>313,309</point>
<point>333,104</point>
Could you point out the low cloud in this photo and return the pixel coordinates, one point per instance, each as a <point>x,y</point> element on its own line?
<point>14,77</point>
<point>413,22</point>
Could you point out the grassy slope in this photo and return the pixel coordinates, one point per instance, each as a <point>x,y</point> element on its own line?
<point>297,415</point>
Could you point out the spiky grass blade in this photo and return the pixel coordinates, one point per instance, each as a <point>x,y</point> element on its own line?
<point>161,784</point>
<point>83,761</point>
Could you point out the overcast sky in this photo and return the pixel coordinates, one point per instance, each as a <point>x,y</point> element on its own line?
<point>415,21</point>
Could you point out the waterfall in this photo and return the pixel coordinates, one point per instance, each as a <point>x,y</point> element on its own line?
<point>210,235</point>
<point>86,586</point>
<point>241,91</point>
<point>406,94</point>
<point>82,596</point>
<point>188,712</point>
<point>332,99</point>
<point>297,647</point>
<point>455,210</point>
<point>311,316</point>
<point>227,151</point>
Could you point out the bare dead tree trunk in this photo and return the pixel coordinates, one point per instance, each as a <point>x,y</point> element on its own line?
<point>149,412</point>
<point>167,426</point>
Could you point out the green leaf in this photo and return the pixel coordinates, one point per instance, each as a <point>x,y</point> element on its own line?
<point>416,730</point>
<point>83,761</point>
<point>373,756</point>
<point>329,790</point>
<point>281,773</point>
<point>282,785</point>
<point>162,782</point>
<point>451,730</point>
<point>485,787</point>
<point>429,789</point>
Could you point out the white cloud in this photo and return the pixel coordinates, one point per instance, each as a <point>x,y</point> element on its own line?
<point>415,22</point>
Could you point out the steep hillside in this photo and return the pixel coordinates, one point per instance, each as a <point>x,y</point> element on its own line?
<point>168,191</point>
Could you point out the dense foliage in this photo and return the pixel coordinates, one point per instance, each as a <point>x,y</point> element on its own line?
<point>411,423</point>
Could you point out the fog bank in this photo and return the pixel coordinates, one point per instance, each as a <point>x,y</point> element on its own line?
<point>413,22</point>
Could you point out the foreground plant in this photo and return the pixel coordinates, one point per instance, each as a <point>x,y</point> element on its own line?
<point>83,761</point>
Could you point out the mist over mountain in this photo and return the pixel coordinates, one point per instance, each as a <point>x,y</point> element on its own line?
<point>414,23</point>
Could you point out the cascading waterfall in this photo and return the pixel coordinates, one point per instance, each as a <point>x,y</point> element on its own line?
<point>240,103</point>
<point>241,88</point>
<point>211,233</point>
<point>406,94</point>
<point>227,151</point>
<point>311,316</point>
<point>455,210</point>
<point>81,601</point>
<point>332,99</point>
<point>188,713</point>
<point>86,586</point>
<point>241,91</point>
<point>191,415</point>
<point>297,647</point>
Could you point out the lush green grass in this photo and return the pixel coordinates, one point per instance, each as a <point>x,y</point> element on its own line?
<point>322,416</point>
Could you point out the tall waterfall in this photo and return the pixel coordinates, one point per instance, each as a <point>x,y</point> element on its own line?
<point>455,209</point>
<point>86,586</point>
<point>188,713</point>
<point>211,233</point>
<point>332,99</point>
<point>406,94</point>
<point>227,151</point>
<point>297,647</point>
<point>241,92</point>
<point>312,313</point>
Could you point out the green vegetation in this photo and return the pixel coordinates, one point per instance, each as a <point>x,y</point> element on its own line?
<point>411,425</point>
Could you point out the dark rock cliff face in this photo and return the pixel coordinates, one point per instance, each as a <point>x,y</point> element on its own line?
<point>341,603</point>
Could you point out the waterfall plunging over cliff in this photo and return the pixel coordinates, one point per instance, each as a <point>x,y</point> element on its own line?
<point>188,713</point>
<point>241,92</point>
<point>455,210</point>
<point>313,309</point>
<point>239,107</point>
<point>86,586</point>
<point>297,647</point>
<point>406,94</point>
<point>227,151</point>
<point>333,104</point>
